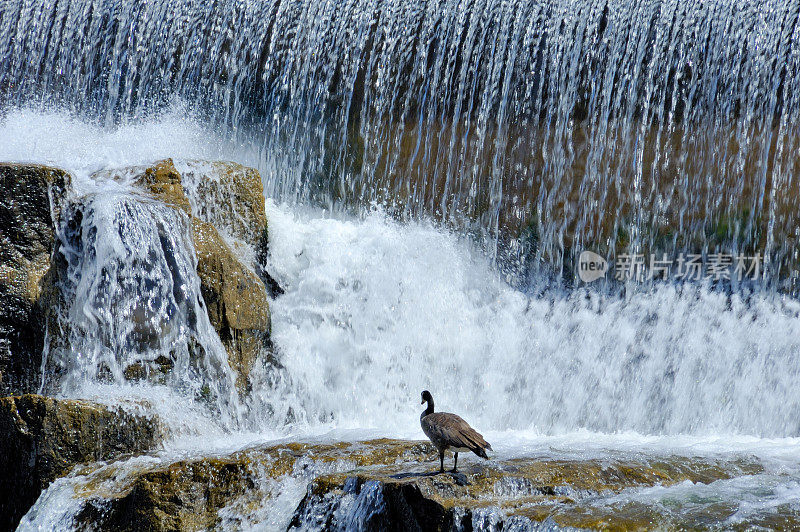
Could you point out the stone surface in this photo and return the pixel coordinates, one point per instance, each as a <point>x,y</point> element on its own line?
<point>163,181</point>
<point>394,485</point>
<point>227,196</point>
<point>230,197</point>
<point>189,494</point>
<point>236,300</point>
<point>512,493</point>
<point>42,438</point>
<point>29,206</point>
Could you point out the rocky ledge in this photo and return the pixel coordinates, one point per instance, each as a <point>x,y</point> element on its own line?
<point>224,203</point>
<point>393,485</point>
<point>30,205</point>
<point>44,438</point>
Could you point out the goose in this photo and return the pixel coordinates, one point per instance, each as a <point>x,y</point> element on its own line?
<point>449,431</point>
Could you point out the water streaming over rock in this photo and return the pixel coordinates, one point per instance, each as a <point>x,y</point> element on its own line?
<point>655,126</point>
<point>131,303</point>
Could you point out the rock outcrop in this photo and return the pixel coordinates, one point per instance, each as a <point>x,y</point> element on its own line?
<point>220,198</point>
<point>43,438</point>
<point>29,206</point>
<point>394,485</point>
<point>225,195</point>
<point>189,494</point>
<point>230,196</point>
<point>515,494</point>
<point>236,300</point>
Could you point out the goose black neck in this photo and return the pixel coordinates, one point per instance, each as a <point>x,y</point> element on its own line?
<point>429,410</point>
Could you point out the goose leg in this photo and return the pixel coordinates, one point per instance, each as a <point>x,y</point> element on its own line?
<point>441,461</point>
<point>455,463</point>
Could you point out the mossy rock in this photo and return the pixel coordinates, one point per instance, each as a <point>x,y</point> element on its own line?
<point>395,485</point>
<point>216,195</point>
<point>518,493</point>
<point>188,494</point>
<point>228,196</point>
<point>236,300</point>
<point>42,438</point>
<point>163,181</point>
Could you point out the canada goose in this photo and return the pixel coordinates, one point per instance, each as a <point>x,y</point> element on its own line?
<point>449,431</point>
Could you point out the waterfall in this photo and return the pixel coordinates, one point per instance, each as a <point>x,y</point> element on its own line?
<point>454,190</point>
<point>541,128</point>
<point>547,127</point>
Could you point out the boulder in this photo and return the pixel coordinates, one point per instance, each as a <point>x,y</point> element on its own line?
<point>228,196</point>
<point>518,494</point>
<point>236,300</point>
<point>42,438</point>
<point>29,208</point>
<point>190,494</point>
<point>163,182</point>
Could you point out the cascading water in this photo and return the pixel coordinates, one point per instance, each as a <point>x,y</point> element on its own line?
<point>432,167</point>
<point>655,126</point>
<point>133,304</point>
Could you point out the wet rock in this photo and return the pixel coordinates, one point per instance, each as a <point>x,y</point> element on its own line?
<point>191,494</point>
<point>394,485</point>
<point>42,438</point>
<point>227,197</point>
<point>230,197</point>
<point>163,181</point>
<point>516,494</point>
<point>236,300</point>
<point>29,206</point>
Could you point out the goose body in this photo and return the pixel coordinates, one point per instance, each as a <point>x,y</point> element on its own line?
<point>449,431</point>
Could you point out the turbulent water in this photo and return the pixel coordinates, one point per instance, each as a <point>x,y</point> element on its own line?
<point>432,170</point>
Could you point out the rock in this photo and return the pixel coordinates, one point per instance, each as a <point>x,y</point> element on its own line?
<point>236,300</point>
<point>394,485</point>
<point>42,438</point>
<point>163,181</point>
<point>29,208</point>
<point>228,196</point>
<point>189,494</point>
<point>510,494</point>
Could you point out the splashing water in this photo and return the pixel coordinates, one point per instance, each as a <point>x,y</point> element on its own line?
<point>376,311</point>
<point>543,127</point>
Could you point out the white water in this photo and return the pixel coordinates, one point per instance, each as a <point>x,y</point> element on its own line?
<point>376,310</point>
<point>52,136</point>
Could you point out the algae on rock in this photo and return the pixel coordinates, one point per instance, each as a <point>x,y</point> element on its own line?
<point>43,438</point>
<point>234,296</point>
<point>395,485</point>
<point>236,301</point>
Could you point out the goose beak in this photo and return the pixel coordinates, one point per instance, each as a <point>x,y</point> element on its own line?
<point>422,402</point>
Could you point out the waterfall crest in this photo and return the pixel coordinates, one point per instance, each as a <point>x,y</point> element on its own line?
<point>651,127</point>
